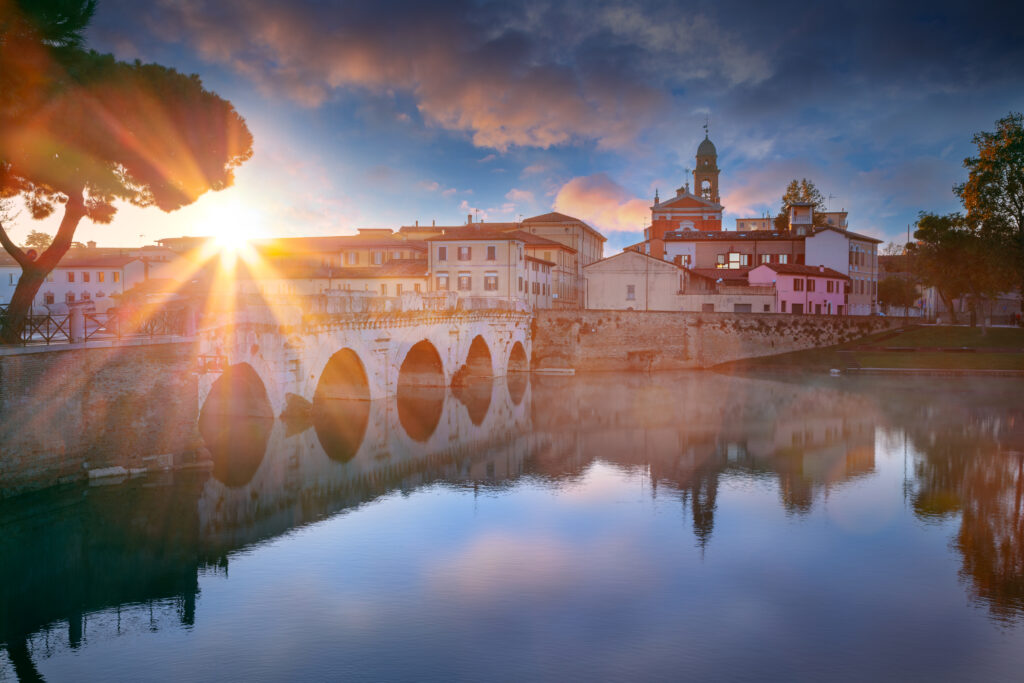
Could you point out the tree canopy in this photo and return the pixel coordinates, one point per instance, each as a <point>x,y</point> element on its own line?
<point>993,195</point>
<point>83,131</point>
<point>38,240</point>
<point>799,191</point>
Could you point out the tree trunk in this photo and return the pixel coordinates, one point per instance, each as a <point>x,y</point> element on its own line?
<point>33,273</point>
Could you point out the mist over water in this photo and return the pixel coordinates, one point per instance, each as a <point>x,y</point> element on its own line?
<point>606,526</point>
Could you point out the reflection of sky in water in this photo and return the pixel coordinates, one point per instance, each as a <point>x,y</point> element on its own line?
<point>587,565</point>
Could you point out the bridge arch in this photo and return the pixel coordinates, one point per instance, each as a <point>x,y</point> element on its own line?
<point>421,391</point>
<point>341,405</point>
<point>517,360</point>
<point>344,377</point>
<point>478,359</point>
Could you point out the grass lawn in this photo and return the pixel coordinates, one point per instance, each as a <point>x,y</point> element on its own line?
<point>824,359</point>
<point>948,336</point>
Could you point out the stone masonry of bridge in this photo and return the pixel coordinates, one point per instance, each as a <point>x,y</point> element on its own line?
<point>642,340</point>
<point>290,359</point>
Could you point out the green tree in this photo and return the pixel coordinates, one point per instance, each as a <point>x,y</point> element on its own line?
<point>993,195</point>
<point>897,292</point>
<point>38,240</point>
<point>84,131</point>
<point>802,190</point>
<point>953,255</point>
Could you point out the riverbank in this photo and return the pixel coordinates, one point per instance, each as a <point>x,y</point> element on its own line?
<point>941,349</point>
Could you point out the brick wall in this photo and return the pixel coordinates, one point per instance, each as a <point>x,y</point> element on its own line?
<point>64,412</point>
<point>639,340</point>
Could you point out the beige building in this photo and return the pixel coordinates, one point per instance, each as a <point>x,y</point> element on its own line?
<point>538,282</point>
<point>587,243</point>
<point>302,279</point>
<point>567,242</point>
<point>478,261</point>
<point>634,281</point>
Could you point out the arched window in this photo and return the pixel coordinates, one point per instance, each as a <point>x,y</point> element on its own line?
<point>705,188</point>
<point>686,225</point>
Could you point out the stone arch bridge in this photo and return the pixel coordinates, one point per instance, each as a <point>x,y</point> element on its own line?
<point>366,356</point>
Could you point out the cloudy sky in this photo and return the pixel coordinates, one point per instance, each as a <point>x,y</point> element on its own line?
<point>380,113</point>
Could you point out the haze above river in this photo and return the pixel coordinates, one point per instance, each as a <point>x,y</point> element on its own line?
<point>690,525</point>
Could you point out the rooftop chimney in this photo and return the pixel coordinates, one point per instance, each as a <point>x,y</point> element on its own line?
<point>469,219</point>
<point>91,244</point>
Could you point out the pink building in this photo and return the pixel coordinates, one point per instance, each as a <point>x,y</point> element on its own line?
<point>803,289</point>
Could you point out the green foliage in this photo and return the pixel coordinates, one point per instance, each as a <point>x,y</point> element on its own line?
<point>958,259</point>
<point>897,291</point>
<point>802,190</point>
<point>57,23</point>
<point>38,240</point>
<point>993,195</point>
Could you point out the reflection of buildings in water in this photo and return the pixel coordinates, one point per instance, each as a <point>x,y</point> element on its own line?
<point>690,428</point>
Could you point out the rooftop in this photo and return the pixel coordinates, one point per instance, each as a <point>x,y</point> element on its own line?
<point>799,269</point>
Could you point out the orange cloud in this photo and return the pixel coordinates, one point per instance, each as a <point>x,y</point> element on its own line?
<point>600,201</point>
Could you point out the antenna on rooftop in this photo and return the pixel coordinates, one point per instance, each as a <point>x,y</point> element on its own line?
<point>828,202</point>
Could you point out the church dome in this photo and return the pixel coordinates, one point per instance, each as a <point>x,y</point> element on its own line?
<point>707,148</point>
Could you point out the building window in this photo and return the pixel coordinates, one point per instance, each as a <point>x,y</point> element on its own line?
<point>783,308</point>
<point>71,276</point>
<point>798,284</point>
<point>396,255</point>
<point>416,287</point>
<point>48,298</point>
<point>707,308</point>
<point>383,289</point>
<point>116,276</point>
<point>783,258</point>
<point>536,288</point>
<point>101,276</point>
<point>491,281</point>
<point>353,258</point>
<point>465,253</point>
<point>100,294</point>
<point>85,277</point>
<point>69,297</point>
<point>547,255</point>
<point>766,258</point>
<point>86,296</point>
<point>767,308</point>
<point>492,253</point>
<point>828,286</point>
<point>442,282</point>
<point>378,258</point>
<point>398,289</point>
<point>630,292</point>
<point>520,283</point>
<point>465,282</point>
<point>442,253</point>
<point>810,284</point>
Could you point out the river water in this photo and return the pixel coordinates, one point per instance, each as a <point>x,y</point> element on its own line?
<point>607,527</point>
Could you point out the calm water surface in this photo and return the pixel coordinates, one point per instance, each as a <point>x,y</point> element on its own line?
<point>614,527</point>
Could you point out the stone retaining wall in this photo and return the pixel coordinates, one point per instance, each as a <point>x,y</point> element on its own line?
<point>640,340</point>
<point>66,412</point>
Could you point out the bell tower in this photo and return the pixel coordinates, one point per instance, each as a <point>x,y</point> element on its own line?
<point>705,175</point>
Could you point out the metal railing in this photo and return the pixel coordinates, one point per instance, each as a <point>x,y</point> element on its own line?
<point>60,328</point>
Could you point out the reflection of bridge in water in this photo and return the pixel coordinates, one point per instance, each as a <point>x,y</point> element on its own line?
<point>82,564</point>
